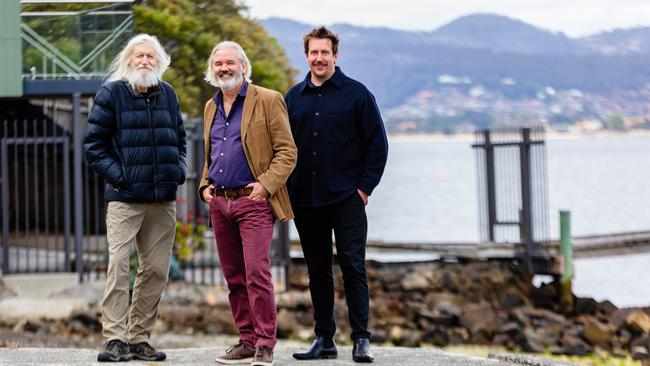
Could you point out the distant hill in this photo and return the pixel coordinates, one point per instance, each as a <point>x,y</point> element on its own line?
<point>620,41</point>
<point>502,34</point>
<point>484,49</point>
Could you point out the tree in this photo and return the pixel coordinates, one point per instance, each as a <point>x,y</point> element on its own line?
<point>615,121</point>
<point>189,30</point>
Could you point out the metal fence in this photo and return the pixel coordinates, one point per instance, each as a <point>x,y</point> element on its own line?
<point>513,190</point>
<point>53,208</point>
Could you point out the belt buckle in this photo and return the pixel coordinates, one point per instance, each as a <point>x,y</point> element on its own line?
<point>230,194</point>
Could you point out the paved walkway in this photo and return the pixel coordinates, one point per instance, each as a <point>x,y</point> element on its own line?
<point>384,356</point>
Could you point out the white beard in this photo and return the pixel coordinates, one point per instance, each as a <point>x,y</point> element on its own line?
<point>227,84</point>
<point>138,78</point>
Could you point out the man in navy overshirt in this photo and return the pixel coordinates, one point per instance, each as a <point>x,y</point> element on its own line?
<point>342,152</point>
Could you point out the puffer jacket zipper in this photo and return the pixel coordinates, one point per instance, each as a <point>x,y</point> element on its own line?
<point>153,147</point>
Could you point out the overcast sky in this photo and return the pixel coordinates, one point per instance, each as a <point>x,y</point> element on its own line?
<point>573,17</point>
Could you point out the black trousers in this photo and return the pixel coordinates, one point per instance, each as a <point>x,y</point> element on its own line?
<point>348,221</point>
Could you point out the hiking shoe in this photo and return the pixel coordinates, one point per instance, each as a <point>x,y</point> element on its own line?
<point>263,357</point>
<point>114,351</point>
<point>241,353</point>
<point>143,351</point>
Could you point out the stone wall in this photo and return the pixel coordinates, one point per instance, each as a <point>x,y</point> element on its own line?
<point>439,304</point>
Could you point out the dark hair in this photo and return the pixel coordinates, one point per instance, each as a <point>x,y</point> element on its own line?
<point>321,32</point>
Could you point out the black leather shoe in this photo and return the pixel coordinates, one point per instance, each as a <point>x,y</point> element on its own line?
<point>361,351</point>
<point>321,348</point>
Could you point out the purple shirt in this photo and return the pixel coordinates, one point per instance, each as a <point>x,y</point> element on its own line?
<point>228,167</point>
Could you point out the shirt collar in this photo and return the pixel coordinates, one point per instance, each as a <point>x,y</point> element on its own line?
<point>336,80</point>
<point>242,92</point>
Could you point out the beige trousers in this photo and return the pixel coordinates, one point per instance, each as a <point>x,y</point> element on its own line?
<point>152,227</point>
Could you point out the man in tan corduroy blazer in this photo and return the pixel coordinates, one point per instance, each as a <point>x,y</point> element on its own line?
<point>250,153</point>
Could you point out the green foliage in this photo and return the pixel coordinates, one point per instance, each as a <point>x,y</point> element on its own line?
<point>190,29</point>
<point>187,242</point>
<point>616,121</point>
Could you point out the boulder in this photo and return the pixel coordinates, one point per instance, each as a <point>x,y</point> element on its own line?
<point>414,281</point>
<point>572,345</point>
<point>598,333</point>
<point>480,319</point>
<point>639,353</point>
<point>638,321</point>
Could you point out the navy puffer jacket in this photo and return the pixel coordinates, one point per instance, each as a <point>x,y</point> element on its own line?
<point>136,142</point>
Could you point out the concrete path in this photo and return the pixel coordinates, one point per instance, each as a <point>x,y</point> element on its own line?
<point>205,356</point>
<point>384,356</point>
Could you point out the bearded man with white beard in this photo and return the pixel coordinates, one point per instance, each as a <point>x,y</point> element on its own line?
<point>135,140</point>
<point>249,156</point>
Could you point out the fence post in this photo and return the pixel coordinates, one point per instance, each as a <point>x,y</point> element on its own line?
<point>491,185</point>
<point>5,207</point>
<point>285,245</point>
<point>566,254</point>
<point>526,198</point>
<point>78,188</point>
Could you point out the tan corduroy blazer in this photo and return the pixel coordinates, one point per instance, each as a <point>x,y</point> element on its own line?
<point>267,141</point>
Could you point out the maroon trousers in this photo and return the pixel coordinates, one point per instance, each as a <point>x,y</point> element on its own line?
<point>243,229</point>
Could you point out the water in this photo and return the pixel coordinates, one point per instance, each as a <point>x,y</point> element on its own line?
<point>429,194</point>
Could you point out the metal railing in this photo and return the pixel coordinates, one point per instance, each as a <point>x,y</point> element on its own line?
<point>66,44</point>
<point>513,190</point>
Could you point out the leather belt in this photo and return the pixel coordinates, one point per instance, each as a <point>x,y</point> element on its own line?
<point>231,194</point>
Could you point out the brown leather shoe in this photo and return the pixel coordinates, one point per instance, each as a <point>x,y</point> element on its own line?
<point>263,357</point>
<point>239,354</point>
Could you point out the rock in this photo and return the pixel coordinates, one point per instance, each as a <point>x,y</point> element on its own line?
<point>641,341</point>
<point>448,283</point>
<point>532,341</point>
<point>447,307</point>
<point>572,345</point>
<point>379,336</point>
<point>27,326</point>
<point>414,281</point>
<point>89,323</point>
<point>480,319</point>
<point>286,323</point>
<point>606,308</point>
<point>438,337</point>
<point>458,336</point>
<point>396,334</point>
<point>598,333</point>
<point>511,300</point>
<point>587,306</point>
<point>295,300</point>
<point>509,328</point>
<point>638,321</point>
<point>639,353</point>
<point>545,296</point>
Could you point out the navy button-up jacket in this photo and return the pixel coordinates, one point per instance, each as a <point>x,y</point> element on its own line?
<point>340,137</point>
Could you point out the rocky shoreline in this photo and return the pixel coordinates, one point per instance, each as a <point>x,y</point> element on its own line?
<point>414,304</point>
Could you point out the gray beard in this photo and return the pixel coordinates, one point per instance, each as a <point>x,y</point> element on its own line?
<point>143,80</point>
<point>229,83</point>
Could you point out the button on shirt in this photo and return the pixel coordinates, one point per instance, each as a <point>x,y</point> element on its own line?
<point>341,140</point>
<point>228,166</point>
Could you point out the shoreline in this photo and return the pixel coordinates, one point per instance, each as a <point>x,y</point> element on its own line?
<point>550,135</point>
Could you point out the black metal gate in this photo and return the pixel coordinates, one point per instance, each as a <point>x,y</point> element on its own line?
<point>513,193</point>
<point>53,208</point>
<point>35,197</point>
<point>52,204</point>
